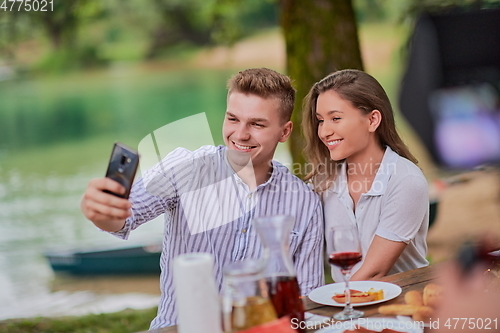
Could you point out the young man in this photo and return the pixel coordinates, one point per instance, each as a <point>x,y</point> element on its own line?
<point>210,196</point>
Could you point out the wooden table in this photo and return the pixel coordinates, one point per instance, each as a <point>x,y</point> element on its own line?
<point>411,280</point>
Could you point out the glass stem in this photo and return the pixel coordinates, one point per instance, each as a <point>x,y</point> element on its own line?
<point>347,277</point>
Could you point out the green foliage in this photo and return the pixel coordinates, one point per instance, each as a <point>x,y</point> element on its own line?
<point>370,10</point>
<point>124,321</point>
<point>232,21</point>
<point>379,10</point>
<point>80,34</point>
<point>416,7</point>
<point>69,59</point>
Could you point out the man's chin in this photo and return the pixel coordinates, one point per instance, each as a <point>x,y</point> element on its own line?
<point>239,158</point>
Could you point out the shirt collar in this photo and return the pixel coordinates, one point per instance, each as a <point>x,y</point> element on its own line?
<point>384,172</point>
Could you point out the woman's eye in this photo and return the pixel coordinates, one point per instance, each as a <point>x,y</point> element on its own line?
<point>320,120</point>
<point>335,118</point>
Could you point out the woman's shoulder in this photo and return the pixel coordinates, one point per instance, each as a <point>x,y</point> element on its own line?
<point>408,173</point>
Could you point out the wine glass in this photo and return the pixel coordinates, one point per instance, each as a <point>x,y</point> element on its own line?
<point>344,251</point>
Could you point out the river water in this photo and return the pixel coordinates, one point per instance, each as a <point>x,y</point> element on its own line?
<point>55,135</point>
<point>39,213</point>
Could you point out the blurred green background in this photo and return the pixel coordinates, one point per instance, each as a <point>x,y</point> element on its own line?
<point>90,72</point>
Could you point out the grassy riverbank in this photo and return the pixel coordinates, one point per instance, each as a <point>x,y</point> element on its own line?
<point>119,322</point>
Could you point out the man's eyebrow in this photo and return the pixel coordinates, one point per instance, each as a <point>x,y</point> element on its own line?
<point>254,120</point>
<point>258,120</point>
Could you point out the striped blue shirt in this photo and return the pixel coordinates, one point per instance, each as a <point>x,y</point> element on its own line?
<point>208,208</point>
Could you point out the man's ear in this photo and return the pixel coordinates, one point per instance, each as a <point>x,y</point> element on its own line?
<point>375,118</point>
<point>286,131</point>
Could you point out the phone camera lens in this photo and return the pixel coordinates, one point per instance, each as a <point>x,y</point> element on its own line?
<point>120,169</point>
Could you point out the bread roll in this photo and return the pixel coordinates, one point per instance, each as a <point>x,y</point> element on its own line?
<point>398,309</point>
<point>414,297</point>
<point>432,295</point>
<point>424,313</point>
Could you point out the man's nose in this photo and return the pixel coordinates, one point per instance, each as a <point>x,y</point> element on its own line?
<point>242,133</point>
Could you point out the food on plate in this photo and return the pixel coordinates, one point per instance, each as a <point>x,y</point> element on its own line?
<point>432,295</point>
<point>424,313</point>
<point>419,305</point>
<point>414,297</point>
<point>378,293</point>
<point>358,296</point>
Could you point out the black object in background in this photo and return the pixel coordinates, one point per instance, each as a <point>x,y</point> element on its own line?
<point>453,51</point>
<point>472,253</point>
<point>122,167</point>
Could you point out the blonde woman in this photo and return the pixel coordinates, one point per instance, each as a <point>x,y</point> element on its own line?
<point>365,173</point>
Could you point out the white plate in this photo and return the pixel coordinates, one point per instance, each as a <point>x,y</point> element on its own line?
<point>323,295</point>
<point>375,324</point>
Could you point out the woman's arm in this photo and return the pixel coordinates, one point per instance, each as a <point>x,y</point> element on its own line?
<point>380,258</point>
<point>403,214</point>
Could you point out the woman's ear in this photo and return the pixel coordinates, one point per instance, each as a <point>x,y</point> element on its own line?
<point>375,117</point>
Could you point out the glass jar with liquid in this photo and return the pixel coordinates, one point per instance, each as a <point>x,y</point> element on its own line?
<point>245,298</point>
<point>280,275</point>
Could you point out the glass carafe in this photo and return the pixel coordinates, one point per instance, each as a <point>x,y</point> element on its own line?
<point>245,298</point>
<point>281,278</point>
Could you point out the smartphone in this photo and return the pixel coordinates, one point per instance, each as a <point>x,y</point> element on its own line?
<point>122,167</point>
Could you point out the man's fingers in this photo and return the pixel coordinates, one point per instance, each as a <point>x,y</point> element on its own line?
<point>103,212</point>
<point>99,206</point>
<point>107,184</point>
<point>95,193</point>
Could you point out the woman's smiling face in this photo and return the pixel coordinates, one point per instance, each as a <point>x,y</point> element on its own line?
<point>343,128</point>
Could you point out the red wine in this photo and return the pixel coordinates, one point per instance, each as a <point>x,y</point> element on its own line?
<point>284,292</point>
<point>345,260</point>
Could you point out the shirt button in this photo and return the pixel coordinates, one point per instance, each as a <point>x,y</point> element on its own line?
<point>244,231</point>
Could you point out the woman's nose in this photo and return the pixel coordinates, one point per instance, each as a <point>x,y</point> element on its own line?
<point>324,131</point>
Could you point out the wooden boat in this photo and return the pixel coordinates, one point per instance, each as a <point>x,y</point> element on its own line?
<point>138,259</point>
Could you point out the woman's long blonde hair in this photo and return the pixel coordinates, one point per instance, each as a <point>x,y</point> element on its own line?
<point>365,93</point>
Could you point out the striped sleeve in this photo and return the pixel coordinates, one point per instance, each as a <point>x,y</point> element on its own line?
<point>308,258</point>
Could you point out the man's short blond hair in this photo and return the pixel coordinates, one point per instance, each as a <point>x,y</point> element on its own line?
<point>265,83</point>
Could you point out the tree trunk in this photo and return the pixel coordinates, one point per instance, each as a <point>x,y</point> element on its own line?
<point>321,37</point>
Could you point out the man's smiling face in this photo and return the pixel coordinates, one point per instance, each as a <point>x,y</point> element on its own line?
<point>253,127</point>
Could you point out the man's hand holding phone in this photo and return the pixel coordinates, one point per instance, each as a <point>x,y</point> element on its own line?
<point>107,211</point>
<point>105,201</point>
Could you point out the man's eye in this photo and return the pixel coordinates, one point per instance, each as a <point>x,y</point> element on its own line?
<point>258,125</point>
<point>231,119</point>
